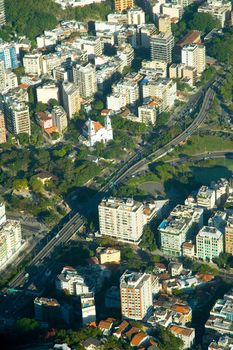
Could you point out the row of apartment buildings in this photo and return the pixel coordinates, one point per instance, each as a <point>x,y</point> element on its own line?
<point>10,237</point>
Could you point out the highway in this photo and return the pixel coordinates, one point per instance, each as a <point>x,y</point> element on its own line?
<point>74,224</point>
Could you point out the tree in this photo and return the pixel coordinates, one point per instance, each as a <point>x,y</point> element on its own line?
<point>59,153</point>
<point>204,22</point>
<point>148,238</point>
<point>53,102</point>
<point>35,16</point>
<point>20,184</point>
<point>40,107</point>
<point>27,325</point>
<point>167,340</point>
<point>98,105</point>
<point>23,138</point>
<point>224,260</point>
<point>36,185</point>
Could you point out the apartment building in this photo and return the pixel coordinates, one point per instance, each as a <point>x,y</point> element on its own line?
<point>11,80</point>
<point>116,102</point>
<point>163,89</point>
<point>109,256</point>
<point>136,16</point>
<point>121,219</point>
<point>33,63</point>
<point>88,308</point>
<point>162,46</point>
<point>221,317</point>
<point>46,310</point>
<point>209,243</point>
<point>60,74</point>
<point>2,214</point>
<point>122,5</point>
<point>148,112</point>
<point>17,117</point>
<point>59,118</point>
<point>2,130</point>
<point>129,88</point>
<point>92,45</point>
<point>8,55</point>
<point>174,11</point>
<point>194,56</point>
<point>70,281</point>
<point>71,99</point>
<point>206,198</point>
<point>228,237</point>
<point>10,240</point>
<point>185,73</point>
<point>46,92</point>
<point>179,227</point>
<point>85,78</point>
<point>219,9</point>
<point>164,24</point>
<point>155,67</point>
<point>50,61</point>
<point>2,76</point>
<point>2,13</point>
<point>136,295</point>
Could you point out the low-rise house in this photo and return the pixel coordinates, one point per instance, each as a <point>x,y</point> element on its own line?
<point>92,344</point>
<point>106,326</point>
<point>187,335</point>
<point>123,328</point>
<point>175,268</point>
<point>139,339</point>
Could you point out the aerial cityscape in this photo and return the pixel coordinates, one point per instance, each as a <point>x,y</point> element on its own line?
<point>116,174</point>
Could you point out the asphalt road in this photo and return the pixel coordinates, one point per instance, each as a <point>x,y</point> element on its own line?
<point>202,156</point>
<point>41,263</point>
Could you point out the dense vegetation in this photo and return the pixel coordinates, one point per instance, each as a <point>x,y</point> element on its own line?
<point>23,191</point>
<point>37,16</point>
<point>192,20</point>
<point>221,47</point>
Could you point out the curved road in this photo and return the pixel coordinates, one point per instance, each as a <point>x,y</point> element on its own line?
<point>202,156</point>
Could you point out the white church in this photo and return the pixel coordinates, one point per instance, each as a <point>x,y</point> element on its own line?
<point>95,132</point>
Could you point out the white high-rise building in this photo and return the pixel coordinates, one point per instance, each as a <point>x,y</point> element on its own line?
<point>194,56</point>
<point>206,197</point>
<point>121,219</point>
<point>33,64</point>
<point>71,99</point>
<point>85,78</point>
<point>17,117</point>
<point>88,308</point>
<point>2,76</point>
<point>136,295</point>
<point>70,281</point>
<point>136,16</point>
<point>162,47</point>
<point>2,13</point>
<point>46,92</point>
<point>59,118</point>
<point>179,227</point>
<point>10,240</point>
<point>2,214</point>
<point>209,243</point>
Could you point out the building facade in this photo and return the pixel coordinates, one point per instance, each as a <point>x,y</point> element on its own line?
<point>136,295</point>
<point>121,219</point>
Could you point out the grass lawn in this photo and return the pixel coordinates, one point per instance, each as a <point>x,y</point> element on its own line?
<point>200,144</point>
